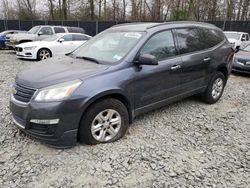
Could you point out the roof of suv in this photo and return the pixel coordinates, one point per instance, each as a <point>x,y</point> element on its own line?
<point>235,32</point>
<point>143,26</point>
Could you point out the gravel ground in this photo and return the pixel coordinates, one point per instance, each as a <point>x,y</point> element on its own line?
<point>186,144</point>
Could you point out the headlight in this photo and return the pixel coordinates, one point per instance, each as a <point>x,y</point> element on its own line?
<point>30,48</point>
<point>58,92</point>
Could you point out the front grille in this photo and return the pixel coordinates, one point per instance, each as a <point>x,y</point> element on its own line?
<point>243,61</point>
<point>19,49</point>
<point>23,93</point>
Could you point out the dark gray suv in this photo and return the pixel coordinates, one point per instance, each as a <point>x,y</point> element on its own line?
<point>92,94</point>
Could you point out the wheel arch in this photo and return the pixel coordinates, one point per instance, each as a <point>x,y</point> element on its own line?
<point>45,49</point>
<point>223,69</point>
<point>110,94</point>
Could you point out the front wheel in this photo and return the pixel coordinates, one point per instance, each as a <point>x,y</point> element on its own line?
<point>43,54</point>
<point>105,121</point>
<point>215,88</point>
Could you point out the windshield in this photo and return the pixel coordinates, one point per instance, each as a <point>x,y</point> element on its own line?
<point>110,46</point>
<point>52,38</point>
<point>233,36</point>
<point>247,48</point>
<point>3,33</point>
<point>34,30</point>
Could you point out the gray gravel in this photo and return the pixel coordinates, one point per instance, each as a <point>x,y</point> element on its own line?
<point>186,144</point>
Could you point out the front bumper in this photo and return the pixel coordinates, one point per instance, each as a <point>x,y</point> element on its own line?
<point>11,44</point>
<point>240,67</point>
<point>60,135</point>
<point>26,54</point>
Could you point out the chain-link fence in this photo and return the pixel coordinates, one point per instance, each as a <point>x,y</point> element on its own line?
<point>91,28</point>
<point>94,27</point>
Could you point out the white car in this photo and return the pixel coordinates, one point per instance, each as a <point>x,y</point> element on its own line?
<point>58,44</point>
<point>237,39</point>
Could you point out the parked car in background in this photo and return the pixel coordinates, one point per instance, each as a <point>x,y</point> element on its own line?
<point>4,34</point>
<point>57,44</point>
<point>38,33</point>
<point>92,94</point>
<point>241,61</point>
<point>237,39</point>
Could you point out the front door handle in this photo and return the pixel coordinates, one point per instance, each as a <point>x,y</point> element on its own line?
<point>206,59</point>
<point>175,67</point>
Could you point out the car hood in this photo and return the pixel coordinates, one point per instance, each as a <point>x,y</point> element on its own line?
<point>22,36</point>
<point>242,55</point>
<point>57,70</point>
<point>35,43</point>
<point>231,40</point>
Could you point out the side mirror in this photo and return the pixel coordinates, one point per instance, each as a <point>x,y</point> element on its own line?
<point>236,50</point>
<point>40,33</point>
<point>61,40</point>
<point>147,59</point>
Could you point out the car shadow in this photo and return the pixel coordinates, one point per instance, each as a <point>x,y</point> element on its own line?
<point>194,100</point>
<point>241,74</point>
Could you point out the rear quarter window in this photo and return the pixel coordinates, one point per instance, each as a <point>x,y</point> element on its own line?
<point>75,30</point>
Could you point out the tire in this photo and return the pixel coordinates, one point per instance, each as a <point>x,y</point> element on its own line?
<point>43,54</point>
<point>215,88</point>
<point>96,126</point>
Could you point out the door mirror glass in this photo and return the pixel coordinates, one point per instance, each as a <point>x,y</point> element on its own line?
<point>40,33</point>
<point>147,59</point>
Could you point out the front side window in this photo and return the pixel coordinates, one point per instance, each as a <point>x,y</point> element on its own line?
<point>161,45</point>
<point>46,31</point>
<point>67,37</point>
<point>110,46</point>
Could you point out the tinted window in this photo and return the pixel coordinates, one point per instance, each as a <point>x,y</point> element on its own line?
<point>46,31</point>
<point>247,37</point>
<point>160,45</point>
<point>75,30</point>
<point>59,30</point>
<point>67,37</point>
<point>80,37</point>
<point>210,37</point>
<point>196,39</point>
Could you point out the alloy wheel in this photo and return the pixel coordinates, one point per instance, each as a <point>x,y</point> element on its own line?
<point>217,88</point>
<point>106,125</point>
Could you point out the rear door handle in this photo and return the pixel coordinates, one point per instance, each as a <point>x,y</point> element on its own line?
<point>175,67</point>
<point>206,59</point>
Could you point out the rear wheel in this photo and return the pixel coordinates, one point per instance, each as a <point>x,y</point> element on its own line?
<point>105,121</point>
<point>215,88</point>
<point>43,54</point>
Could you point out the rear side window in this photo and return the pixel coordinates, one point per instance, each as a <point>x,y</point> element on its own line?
<point>161,45</point>
<point>210,37</point>
<point>247,37</point>
<point>59,30</point>
<point>196,39</point>
<point>80,37</point>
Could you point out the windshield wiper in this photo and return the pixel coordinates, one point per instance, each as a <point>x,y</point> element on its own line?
<point>88,58</point>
